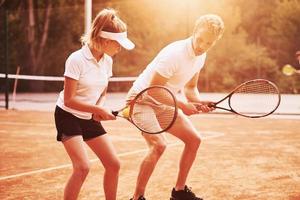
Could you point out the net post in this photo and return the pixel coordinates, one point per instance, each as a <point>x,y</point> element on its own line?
<point>87,15</point>
<point>5,25</point>
<point>15,88</point>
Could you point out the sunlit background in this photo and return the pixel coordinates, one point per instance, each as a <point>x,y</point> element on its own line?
<point>239,158</point>
<point>260,38</point>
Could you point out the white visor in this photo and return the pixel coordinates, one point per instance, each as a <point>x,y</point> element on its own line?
<point>121,38</point>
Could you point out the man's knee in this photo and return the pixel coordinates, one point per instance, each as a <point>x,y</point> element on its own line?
<point>157,149</point>
<point>194,142</point>
<point>160,148</point>
<point>156,143</point>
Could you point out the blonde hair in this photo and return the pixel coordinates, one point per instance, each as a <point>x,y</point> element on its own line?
<point>211,23</point>
<point>106,20</point>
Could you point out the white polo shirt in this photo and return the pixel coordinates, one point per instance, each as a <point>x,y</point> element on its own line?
<point>177,62</point>
<point>92,78</point>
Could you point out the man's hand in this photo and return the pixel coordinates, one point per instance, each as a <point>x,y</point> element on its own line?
<point>188,108</point>
<point>205,106</point>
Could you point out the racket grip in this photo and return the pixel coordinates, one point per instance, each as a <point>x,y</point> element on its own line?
<point>115,113</point>
<point>212,105</point>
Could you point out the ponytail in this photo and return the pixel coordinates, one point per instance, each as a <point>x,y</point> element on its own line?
<point>106,20</point>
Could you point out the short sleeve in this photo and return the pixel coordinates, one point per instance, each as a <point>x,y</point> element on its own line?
<point>166,66</point>
<point>109,66</point>
<point>72,68</point>
<point>109,74</point>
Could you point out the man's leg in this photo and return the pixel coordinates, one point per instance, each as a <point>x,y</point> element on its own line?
<point>186,132</point>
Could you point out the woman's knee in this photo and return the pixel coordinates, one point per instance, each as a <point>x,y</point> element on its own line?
<point>113,166</point>
<point>82,169</point>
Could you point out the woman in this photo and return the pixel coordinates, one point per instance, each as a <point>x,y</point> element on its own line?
<point>80,108</point>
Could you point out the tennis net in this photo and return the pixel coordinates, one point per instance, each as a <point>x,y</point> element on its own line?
<point>40,93</point>
<point>28,92</point>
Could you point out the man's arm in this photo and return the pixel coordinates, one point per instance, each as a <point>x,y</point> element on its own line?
<point>187,108</point>
<point>191,91</point>
<point>192,94</point>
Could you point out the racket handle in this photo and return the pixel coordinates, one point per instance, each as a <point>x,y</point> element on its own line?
<point>212,105</point>
<point>115,113</point>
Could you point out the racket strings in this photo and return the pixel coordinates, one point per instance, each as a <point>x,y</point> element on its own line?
<point>255,98</point>
<point>154,110</point>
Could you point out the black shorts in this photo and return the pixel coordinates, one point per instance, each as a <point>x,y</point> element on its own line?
<point>68,125</point>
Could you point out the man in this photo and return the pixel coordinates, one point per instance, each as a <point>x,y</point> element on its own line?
<point>177,66</point>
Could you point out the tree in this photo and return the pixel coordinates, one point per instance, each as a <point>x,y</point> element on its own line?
<point>41,36</point>
<point>36,43</point>
<point>276,26</point>
<point>43,33</point>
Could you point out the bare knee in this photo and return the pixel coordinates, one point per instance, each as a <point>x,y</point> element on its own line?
<point>194,142</point>
<point>157,146</point>
<point>113,166</point>
<point>158,149</point>
<point>81,170</point>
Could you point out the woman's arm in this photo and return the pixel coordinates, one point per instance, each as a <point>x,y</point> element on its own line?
<point>102,98</point>
<point>71,102</point>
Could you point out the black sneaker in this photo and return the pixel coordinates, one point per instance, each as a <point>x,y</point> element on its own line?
<point>185,194</point>
<point>140,198</point>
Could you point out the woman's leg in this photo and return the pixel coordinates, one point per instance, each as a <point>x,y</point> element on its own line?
<point>105,151</point>
<point>157,146</point>
<point>75,148</point>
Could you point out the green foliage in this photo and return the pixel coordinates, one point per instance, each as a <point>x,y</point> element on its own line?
<point>277,26</point>
<point>260,37</point>
<point>286,26</point>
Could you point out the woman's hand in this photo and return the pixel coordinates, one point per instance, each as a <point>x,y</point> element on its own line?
<point>103,114</point>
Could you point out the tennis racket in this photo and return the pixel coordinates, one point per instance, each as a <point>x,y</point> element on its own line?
<point>153,110</point>
<point>289,70</point>
<point>254,99</point>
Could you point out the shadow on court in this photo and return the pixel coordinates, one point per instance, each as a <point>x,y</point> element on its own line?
<point>239,159</point>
